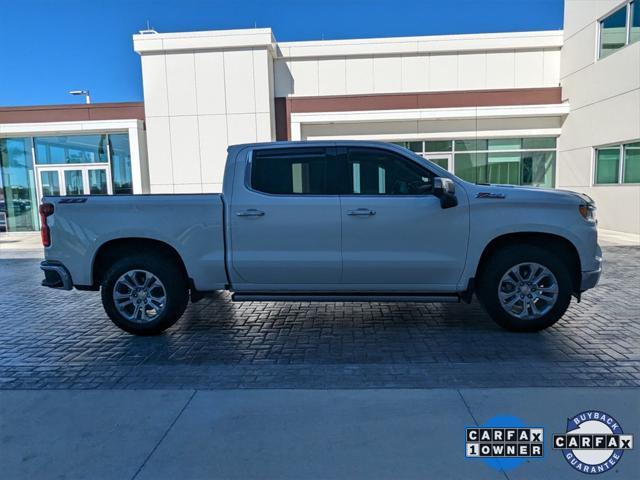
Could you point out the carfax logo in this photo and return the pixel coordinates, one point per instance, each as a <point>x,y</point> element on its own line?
<point>593,443</point>
<point>504,442</point>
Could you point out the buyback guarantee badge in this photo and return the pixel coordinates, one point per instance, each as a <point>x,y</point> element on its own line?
<point>504,442</point>
<point>593,443</point>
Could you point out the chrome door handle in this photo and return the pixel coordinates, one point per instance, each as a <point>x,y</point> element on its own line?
<point>362,212</point>
<point>251,212</point>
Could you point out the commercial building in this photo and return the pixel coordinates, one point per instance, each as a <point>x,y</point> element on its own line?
<point>553,108</point>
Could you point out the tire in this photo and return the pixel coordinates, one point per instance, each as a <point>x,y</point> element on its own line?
<point>154,316</point>
<point>524,258</point>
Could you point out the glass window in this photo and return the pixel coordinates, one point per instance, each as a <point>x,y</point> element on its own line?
<point>631,163</point>
<point>533,143</point>
<point>18,198</point>
<point>98,181</point>
<point>607,165</point>
<point>120,163</point>
<point>71,149</point>
<point>471,167</point>
<point>441,161</point>
<point>377,172</point>
<point>437,146</point>
<point>290,171</point>
<point>50,183</point>
<point>613,32</point>
<point>504,168</point>
<point>504,144</point>
<point>73,182</point>
<point>413,146</point>
<point>470,145</point>
<point>634,34</point>
<point>538,169</point>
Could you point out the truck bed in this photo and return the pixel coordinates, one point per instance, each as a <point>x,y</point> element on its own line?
<point>192,224</point>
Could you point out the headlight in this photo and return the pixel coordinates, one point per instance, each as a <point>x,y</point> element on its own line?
<point>588,212</point>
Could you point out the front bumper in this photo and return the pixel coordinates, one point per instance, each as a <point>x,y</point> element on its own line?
<point>56,276</point>
<point>590,278</point>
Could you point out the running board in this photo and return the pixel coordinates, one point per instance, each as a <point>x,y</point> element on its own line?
<point>342,297</point>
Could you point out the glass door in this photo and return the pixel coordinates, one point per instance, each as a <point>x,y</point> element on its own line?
<point>98,181</point>
<point>49,183</point>
<point>74,180</point>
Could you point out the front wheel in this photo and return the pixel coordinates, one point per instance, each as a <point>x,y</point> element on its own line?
<point>525,288</point>
<point>144,295</point>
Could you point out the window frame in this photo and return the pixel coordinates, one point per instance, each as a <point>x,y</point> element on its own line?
<point>340,155</point>
<point>627,37</point>
<point>621,164</point>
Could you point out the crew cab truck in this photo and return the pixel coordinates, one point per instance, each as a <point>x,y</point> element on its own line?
<point>327,221</point>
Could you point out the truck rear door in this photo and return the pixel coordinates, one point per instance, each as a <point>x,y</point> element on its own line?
<point>285,220</point>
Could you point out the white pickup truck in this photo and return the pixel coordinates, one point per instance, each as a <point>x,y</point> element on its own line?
<point>327,221</point>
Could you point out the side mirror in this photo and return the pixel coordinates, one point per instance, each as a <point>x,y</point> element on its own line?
<point>445,190</point>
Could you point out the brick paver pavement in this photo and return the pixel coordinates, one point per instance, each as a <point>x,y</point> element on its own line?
<point>53,339</point>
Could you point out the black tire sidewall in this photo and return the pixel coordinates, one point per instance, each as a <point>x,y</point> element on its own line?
<point>497,266</point>
<point>171,276</point>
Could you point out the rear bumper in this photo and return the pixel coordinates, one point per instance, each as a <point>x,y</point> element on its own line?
<point>56,276</point>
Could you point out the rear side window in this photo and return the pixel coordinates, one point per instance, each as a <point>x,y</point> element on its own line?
<point>291,171</point>
<point>378,172</point>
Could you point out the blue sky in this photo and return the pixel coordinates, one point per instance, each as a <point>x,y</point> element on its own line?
<point>51,46</point>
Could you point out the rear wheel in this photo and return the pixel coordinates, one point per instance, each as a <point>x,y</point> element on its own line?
<point>144,295</point>
<point>525,288</point>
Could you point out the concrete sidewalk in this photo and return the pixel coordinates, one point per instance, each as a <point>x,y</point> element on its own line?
<point>292,434</point>
<point>20,245</point>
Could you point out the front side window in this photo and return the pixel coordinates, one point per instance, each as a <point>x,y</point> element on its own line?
<point>619,28</point>
<point>291,171</point>
<point>378,172</point>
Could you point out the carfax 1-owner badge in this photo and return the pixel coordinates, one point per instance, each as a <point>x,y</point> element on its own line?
<point>593,443</point>
<point>504,442</point>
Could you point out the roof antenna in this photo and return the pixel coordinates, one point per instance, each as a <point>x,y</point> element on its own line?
<point>148,30</point>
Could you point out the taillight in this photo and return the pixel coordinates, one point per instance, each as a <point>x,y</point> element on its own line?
<point>46,209</point>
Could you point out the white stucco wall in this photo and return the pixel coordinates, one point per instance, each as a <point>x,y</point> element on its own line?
<point>605,109</point>
<point>203,91</point>
<point>419,64</point>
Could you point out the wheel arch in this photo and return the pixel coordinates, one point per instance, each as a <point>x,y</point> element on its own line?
<point>565,249</point>
<point>115,249</point>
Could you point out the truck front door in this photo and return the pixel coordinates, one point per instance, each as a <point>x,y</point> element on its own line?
<point>395,235</point>
<point>285,220</point>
